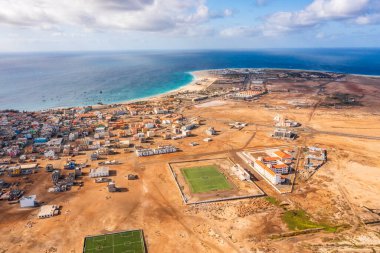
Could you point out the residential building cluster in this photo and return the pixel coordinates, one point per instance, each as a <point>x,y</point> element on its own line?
<point>271,164</point>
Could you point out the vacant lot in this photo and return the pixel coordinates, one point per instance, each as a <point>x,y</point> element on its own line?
<point>205,179</point>
<point>124,242</point>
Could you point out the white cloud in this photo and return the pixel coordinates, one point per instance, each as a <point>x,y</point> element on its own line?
<point>228,13</point>
<point>140,15</point>
<point>320,35</point>
<point>368,19</point>
<point>239,31</point>
<point>318,12</point>
<point>262,2</point>
<point>360,12</point>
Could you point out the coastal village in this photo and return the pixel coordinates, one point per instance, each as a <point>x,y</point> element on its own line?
<point>261,132</point>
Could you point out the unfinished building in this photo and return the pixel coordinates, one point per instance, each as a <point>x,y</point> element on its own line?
<point>283,133</point>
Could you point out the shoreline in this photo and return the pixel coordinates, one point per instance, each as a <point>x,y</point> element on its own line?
<point>198,75</point>
<point>201,80</point>
<point>196,84</point>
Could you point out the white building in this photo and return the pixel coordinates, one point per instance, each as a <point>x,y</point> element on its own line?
<point>280,168</point>
<point>210,131</point>
<point>241,173</point>
<point>50,154</point>
<point>151,134</point>
<point>140,135</point>
<point>266,172</point>
<point>160,111</point>
<point>29,201</point>
<point>247,94</point>
<point>283,133</point>
<point>99,135</point>
<point>149,125</point>
<point>73,136</point>
<point>144,152</point>
<point>48,211</point>
<point>125,143</point>
<point>177,137</point>
<point>283,157</point>
<point>156,151</point>
<point>188,127</point>
<point>99,172</point>
<point>186,133</point>
<point>165,150</point>
<point>100,130</point>
<point>280,121</point>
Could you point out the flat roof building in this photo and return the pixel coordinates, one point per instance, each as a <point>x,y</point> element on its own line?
<point>48,211</point>
<point>28,201</point>
<point>99,172</point>
<point>266,172</point>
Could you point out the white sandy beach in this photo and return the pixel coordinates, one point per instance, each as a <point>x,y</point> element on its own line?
<point>200,81</point>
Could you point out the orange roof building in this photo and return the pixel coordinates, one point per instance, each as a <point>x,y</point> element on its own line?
<point>262,165</point>
<point>282,154</point>
<point>266,172</point>
<point>280,166</point>
<point>270,159</point>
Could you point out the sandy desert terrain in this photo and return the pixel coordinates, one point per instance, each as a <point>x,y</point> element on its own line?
<point>335,195</point>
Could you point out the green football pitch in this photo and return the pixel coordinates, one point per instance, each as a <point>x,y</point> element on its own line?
<point>124,242</point>
<point>205,179</point>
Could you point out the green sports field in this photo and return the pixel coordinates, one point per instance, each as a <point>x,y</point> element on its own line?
<point>205,179</point>
<point>123,242</point>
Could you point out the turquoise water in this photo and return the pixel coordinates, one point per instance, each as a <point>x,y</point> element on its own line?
<point>46,80</point>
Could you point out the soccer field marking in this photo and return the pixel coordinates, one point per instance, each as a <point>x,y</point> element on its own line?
<point>205,178</point>
<point>127,242</point>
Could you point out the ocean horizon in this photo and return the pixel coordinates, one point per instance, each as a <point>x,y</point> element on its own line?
<point>37,81</point>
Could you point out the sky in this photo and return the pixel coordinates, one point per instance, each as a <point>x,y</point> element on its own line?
<point>81,25</point>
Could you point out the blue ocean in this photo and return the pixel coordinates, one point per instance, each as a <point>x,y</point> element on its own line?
<point>35,81</point>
